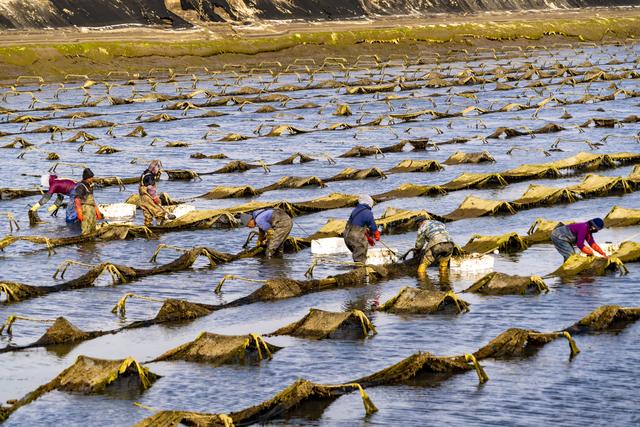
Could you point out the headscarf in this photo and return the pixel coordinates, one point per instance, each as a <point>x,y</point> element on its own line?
<point>155,166</point>
<point>45,181</point>
<point>365,199</point>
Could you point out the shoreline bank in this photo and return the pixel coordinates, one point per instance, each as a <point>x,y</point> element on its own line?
<point>54,53</point>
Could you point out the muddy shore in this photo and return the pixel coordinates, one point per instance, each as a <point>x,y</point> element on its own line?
<point>52,54</point>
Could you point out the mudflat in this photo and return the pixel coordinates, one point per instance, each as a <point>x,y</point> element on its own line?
<point>54,53</point>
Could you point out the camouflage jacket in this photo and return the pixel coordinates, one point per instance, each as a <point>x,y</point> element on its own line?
<point>430,234</point>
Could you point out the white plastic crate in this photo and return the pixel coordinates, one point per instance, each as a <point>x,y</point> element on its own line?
<point>329,246</point>
<point>118,211</point>
<point>472,263</point>
<point>336,246</point>
<point>180,210</point>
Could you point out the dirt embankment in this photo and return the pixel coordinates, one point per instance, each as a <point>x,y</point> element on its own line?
<point>95,52</point>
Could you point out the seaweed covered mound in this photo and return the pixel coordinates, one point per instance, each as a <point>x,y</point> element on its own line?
<point>186,418</point>
<point>606,318</point>
<point>577,265</point>
<point>422,301</point>
<point>86,13</point>
<point>515,342</point>
<point>321,324</point>
<point>91,376</point>
<point>504,284</point>
<point>222,349</point>
<point>422,367</point>
<point>64,332</point>
<point>297,394</point>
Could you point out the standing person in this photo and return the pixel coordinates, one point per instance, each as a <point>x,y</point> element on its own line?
<point>274,219</point>
<point>361,229</point>
<point>566,237</point>
<point>57,186</point>
<point>85,205</point>
<point>149,199</point>
<point>433,244</point>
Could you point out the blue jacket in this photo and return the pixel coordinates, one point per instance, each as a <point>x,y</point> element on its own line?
<point>262,217</point>
<point>363,217</point>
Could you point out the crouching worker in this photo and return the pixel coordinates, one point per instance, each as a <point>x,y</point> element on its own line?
<point>59,187</point>
<point>149,199</point>
<point>361,229</point>
<point>85,206</point>
<point>274,219</point>
<point>566,237</point>
<point>433,244</point>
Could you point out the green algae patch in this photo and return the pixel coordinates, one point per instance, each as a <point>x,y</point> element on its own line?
<point>19,55</point>
<point>63,56</point>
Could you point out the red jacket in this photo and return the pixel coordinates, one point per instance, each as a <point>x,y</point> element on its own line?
<point>60,186</point>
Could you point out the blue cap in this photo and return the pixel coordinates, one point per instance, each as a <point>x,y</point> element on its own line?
<point>597,223</point>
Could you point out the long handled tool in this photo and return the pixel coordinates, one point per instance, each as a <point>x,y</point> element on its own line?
<point>390,250</point>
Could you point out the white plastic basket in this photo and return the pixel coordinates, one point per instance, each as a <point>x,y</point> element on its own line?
<point>329,246</point>
<point>472,263</point>
<point>118,211</point>
<point>336,246</point>
<point>180,210</point>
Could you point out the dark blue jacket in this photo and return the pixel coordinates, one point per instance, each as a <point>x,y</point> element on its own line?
<point>363,217</point>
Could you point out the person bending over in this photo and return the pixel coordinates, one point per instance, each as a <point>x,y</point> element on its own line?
<point>149,199</point>
<point>275,220</point>
<point>361,229</point>
<point>59,187</point>
<point>566,237</point>
<point>433,244</point>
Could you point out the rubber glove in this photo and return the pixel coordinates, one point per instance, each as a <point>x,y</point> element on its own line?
<point>99,215</point>
<point>376,235</point>
<point>367,235</point>
<point>35,207</point>
<point>587,250</point>
<point>262,239</point>
<point>598,249</point>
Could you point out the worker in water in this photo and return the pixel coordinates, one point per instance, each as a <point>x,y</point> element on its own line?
<point>273,221</point>
<point>433,244</point>
<point>566,237</point>
<point>86,209</point>
<point>361,230</point>
<point>149,199</point>
<point>54,185</point>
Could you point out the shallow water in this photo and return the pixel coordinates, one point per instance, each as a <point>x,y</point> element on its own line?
<point>546,388</point>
